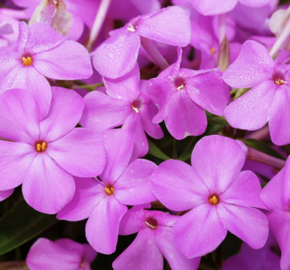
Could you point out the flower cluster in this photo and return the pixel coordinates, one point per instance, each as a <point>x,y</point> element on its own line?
<point>141,117</point>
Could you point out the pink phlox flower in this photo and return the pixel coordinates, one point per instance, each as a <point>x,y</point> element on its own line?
<point>36,55</point>
<point>220,197</point>
<point>153,242</point>
<point>103,201</point>
<point>182,95</point>
<point>42,155</point>
<point>63,254</point>
<point>268,100</point>
<point>117,56</point>
<point>125,104</point>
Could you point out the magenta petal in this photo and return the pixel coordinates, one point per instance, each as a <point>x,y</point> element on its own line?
<point>214,7</point>
<point>65,111</point>
<point>199,232</point>
<point>119,146</point>
<point>71,246</point>
<point>103,225</point>
<point>218,161</point>
<point>69,61</point>
<point>126,87</point>
<point>249,224</point>
<point>18,116</point>
<point>134,124</point>
<point>141,254</point>
<point>280,117</point>
<point>253,65</point>
<point>117,55</point>
<point>134,220</point>
<point>166,245</point>
<point>169,25</point>
<point>47,187</point>
<point>251,111</point>
<point>15,159</point>
<point>46,255</point>
<point>80,152</point>
<point>89,192</point>
<point>245,191</point>
<point>178,186</point>
<point>255,4</point>
<point>209,91</point>
<point>279,225</point>
<point>102,112</point>
<point>22,36</point>
<point>133,188</point>
<point>4,194</point>
<point>183,117</point>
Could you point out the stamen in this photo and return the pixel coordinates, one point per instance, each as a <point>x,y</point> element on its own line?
<point>131,28</point>
<point>152,223</point>
<point>40,146</point>
<point>83,265</point>
<point>109,190</point>
<point>214,200</point>
<point>212,50</point>
<point>279,82</point>
<point>27,61</point>
<point>135,109</point>
<point>181,87</point>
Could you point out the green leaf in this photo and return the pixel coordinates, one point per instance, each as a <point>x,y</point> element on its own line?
<point>263,147</point>
<point>21,224</point>
<point>156,152</point>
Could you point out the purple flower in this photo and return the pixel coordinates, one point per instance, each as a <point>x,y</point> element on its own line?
<point>124,105</point>
<point>276,196</point>
<point>213,7</point>
<point>63,254</point>
<point>43,155</point>
<point>220,197</point>
<point>250,259</point>
<point>104,202</point>
<point>118,55</point>
<point>268,100</point>
<point>182,95</point>
<point>154,240</point>
<point>36,55</point>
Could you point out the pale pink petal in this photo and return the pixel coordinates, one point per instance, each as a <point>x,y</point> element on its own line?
<point>102,112</point>
<point>117,55</point>
<point>119,147</point>
<point>209,91</point>
<point>166,245</point>
<point>18,117</point>
<point>251,111</point>
<point>218,161</point>
<point>47,187</point>
<point>80,152</point>
<point>178,186</point>
<point>280,116</point>
<point>89,192</point>
<point>199,232</point>
<point>134,124</point>
<point>133,187</point>
<point>142,254</point>
<point>22,36</point>
<point>245,191</point>
<point>68,61</point>
<point>15,159</point>
<point>103,225</point>
<point>183,117</point>
<point>170,25</point>
<point>4,194</point>
<point>249,224</point>
<point>253,65</point>
<point>214,7</point>
<point>255,3</point>
<point>65,111</point>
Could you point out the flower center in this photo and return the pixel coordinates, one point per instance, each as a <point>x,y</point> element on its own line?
<point>131,28</point>
<point>136,104</point>
<point>27,61</point>
<point>40,146</point>
<point>179,83</point>
<point>212,50</point>
<point>279,78</point>
<point>109,190</point>
<point>151,223</point>
<point>213,200</point>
